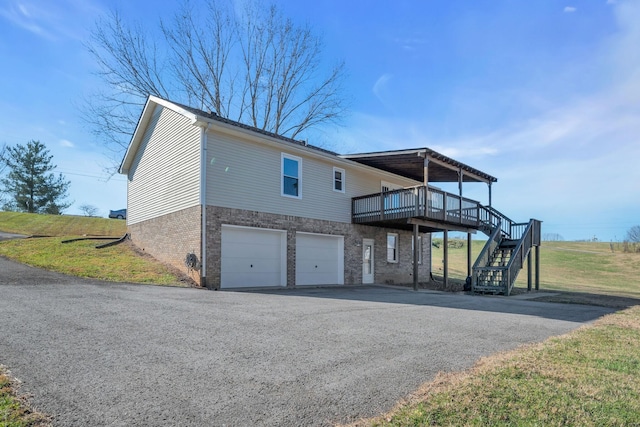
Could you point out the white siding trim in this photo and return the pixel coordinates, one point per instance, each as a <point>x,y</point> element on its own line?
<point>395,257</point>
<point>285,156</point>
<point>343,179</point>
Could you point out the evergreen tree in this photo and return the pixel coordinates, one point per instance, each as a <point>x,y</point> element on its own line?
<point>29,184</point>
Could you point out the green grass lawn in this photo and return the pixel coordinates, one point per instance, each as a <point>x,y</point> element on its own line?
<point>60,225</point>
<point>590,377</point>
<point>121,263</point>
<point>564,266</point>
<point>14,412</point>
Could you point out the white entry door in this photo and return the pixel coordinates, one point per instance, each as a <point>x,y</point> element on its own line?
<point>252,257</point>
<point>367,261</point>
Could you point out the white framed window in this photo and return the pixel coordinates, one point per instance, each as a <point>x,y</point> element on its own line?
<point>392,247</point>
<point>338,180</point>
<point>419,250</point>
<point>291,182</point>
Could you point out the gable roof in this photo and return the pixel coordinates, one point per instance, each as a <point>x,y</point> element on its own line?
<point>198,118</point>
<point>405,163</point>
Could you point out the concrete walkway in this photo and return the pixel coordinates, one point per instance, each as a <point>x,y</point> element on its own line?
<point>10,236</point>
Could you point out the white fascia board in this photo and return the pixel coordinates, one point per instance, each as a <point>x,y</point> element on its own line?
<point>136,137</point>
<point>173,107</point>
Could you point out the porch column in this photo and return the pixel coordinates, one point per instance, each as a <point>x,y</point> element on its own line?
<point>460,179</point>
<point>468,254</point>
<point>425,182</point>
<point>529,272</point>
<point>425,171</point>
<point>489,184</point>
<point>537,268</point>
<point>446,258</point>
<point>416,253</point>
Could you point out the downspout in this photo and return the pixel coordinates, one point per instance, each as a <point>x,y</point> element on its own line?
<point>203,204</point>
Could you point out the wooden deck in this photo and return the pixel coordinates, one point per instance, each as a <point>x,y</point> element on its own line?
<point>432,210</point>
<point>439,209</point>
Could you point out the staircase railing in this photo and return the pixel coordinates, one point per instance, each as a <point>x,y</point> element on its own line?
<point>527,235</point>
<point>516,262</point>
<point>484,258</point>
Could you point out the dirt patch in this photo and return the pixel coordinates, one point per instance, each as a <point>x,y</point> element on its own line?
<point>181,276</point>
<point>610,301</point>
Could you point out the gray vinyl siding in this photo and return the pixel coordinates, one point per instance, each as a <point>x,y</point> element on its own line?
<point>165,174</point>
<point>246,175</point>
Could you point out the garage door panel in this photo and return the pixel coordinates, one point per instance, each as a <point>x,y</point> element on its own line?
<point>319,259</point>
<point>252,257</point>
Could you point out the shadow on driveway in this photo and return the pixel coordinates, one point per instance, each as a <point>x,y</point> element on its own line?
<point>396,295</point>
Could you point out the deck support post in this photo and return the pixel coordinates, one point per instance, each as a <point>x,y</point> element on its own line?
<point>446,258</point>
<point>468,254</point>
<point>425,171</point>
<point>416,258</point>
<point>537,267</point>
<point>489,184</point>
<point>529,272</point>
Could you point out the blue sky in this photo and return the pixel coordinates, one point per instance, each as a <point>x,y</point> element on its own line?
<point>544,95</point>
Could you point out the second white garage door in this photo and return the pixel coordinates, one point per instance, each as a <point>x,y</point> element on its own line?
<point>253,257</point>
<point>319,259</point>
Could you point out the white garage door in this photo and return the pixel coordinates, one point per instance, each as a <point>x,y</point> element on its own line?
<point>319,259</point>
<point>253,257</point>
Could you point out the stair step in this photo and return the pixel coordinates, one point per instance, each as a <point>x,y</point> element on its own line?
<point>508,243</point>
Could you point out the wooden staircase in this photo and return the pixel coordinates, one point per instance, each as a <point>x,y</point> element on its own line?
<point>496,268</point>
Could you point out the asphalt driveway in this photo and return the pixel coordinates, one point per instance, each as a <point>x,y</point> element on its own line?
<point>96,353</point>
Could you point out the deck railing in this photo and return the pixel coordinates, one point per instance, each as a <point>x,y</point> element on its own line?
<point>421,202</point>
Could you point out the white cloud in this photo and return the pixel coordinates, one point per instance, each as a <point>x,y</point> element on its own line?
<point>50,20</point>
<point>66,143</point>
<point>569,9</point>
<point>19,15</point>
<point>380,86</point>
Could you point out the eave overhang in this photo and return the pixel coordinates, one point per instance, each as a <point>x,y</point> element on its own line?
<point>414,163</point>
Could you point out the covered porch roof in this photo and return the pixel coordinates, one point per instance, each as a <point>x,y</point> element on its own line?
<point>423,165</point>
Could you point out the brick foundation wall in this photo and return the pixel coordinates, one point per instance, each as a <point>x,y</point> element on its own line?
<point>385,272</point>
<point>169,238</point>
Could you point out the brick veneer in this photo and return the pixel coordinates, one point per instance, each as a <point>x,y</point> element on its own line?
<point>385,272</point>
<point>169,238</point>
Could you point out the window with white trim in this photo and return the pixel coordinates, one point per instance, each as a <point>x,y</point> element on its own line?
<point>419,250</point>
<point>291,176</point>
<point>392,247</point>
<point>338,180</point>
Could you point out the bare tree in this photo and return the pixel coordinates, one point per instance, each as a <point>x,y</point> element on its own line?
<point>552,237</point>
<point>249,63</point>
<point>633,234</point>
<point>88,210</point>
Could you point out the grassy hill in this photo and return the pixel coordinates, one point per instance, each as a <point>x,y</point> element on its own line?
<point>60,225</point>
<point>564,266</point>
<point>121,263</point>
